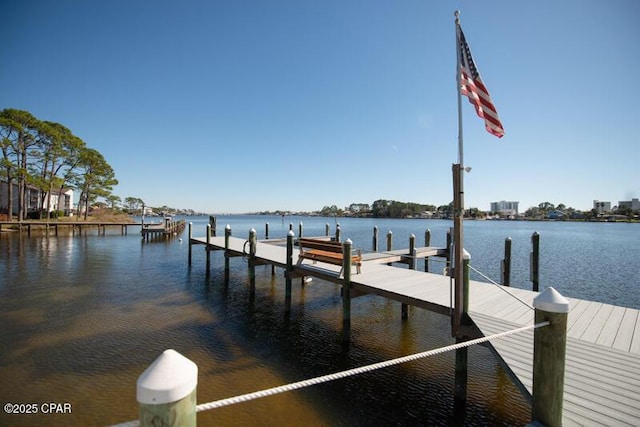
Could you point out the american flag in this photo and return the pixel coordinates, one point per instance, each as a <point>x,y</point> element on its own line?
<point>471,85</point>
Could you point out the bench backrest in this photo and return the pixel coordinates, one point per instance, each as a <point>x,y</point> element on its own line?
<point>325,245</point>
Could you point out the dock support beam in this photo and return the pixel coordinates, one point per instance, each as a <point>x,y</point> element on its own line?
<point>389,242</point>
<point>166,391</point>
<point>253,240</point>
<point>461,301</point>
<point>213,224</point>
<point>549,349</point>
<point>190,236</point>
<point>346,291</point>
<point>338,231</point>
<point>227,235</point>
<point>375,239</point>
<point>288,273</point>
<point>412,266</point>
<point>427,243</point>
<point>460,384</point>
<point>535,260</point>
<point>208,249</point>
<point>506,263</point>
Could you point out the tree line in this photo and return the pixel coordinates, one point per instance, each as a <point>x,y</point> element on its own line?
<point>381,209</point>
<point>48,156</point>
<point>395,209</point>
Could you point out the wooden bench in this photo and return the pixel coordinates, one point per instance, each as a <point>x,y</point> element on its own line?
<point>326,251</point>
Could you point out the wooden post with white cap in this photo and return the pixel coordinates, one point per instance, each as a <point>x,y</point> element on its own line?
<point>166,391</point>
<point>549,349</point>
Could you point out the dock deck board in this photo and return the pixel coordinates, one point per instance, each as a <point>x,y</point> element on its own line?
<point>602,379</point>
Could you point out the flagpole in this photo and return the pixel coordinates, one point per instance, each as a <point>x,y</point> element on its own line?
<point>458,76</point>
<point>458,199</point>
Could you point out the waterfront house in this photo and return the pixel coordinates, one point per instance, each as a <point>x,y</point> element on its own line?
<point>61,200</point>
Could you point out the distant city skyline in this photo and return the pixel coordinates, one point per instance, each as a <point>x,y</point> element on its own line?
<point>235,107</point>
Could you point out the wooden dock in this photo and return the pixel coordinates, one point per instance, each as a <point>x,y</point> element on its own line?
<point>166,228</point>
<point>602,377</point>
<point>77,227</point>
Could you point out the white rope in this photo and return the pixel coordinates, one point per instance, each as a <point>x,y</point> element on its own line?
<point>503,288</point>
<point>356,371</point>
<point>343,374</point>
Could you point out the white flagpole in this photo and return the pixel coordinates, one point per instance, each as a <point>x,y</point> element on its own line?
<point>458,200</point>
<point>458,77</point>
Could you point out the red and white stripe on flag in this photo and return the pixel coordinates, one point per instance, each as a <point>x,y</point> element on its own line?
<point>471,86</point>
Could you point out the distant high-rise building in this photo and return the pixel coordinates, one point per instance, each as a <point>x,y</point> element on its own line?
<point>633,204</point>
<point>602,207</point>
<point>505,208</point>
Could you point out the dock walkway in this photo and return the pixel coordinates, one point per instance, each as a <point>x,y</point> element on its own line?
<point>602,377</point>
<point>166,228</point>
<point>77,227</point>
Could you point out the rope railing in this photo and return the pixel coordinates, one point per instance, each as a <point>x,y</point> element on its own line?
<point>503,288</point>
<point>348,373</point>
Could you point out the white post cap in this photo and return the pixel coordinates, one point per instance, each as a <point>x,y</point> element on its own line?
<point>168,379</point>
<point>227,227</point>
<point>465,254</point>
<point>552,301</point>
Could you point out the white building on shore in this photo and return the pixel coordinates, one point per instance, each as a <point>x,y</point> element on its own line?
<point>61,200</point>
<point>602,207</point>
<point>505,208</point>
<point>633,204</point>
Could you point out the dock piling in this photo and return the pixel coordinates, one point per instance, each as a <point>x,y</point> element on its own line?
<point>412,266</point>
<point>212,223</point>
<point>338,232</point>
<point>460,383</point>
<point>466,260</point>
<point>427,243</point>
<point>288,273</point>
<point>389,242</point>
<point>506,263</point>
<point>535,260</point>
<point>375,239</point>
<point>549,349</point>
<point>190,244</point>
<point>346,291</point>
<point>208,249</point>
<point>253,240</point>
<point>412,252</point>
<point>449,250</point>
<point>227,254</point>
<point>166,391</point>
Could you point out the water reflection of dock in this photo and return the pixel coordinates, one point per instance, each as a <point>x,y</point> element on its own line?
<point>602,365</point>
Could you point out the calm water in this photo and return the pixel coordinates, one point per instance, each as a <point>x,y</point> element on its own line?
<point>83,316</point>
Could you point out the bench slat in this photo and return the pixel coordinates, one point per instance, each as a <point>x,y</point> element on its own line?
<point>320,244</point>
<point>325,251</point>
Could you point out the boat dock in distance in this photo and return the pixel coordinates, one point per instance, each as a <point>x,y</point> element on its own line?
<point>166,228</point>
<point>601,367</point>
<point>76,227</point>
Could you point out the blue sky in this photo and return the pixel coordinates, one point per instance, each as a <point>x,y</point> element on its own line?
<point>237,106</point>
